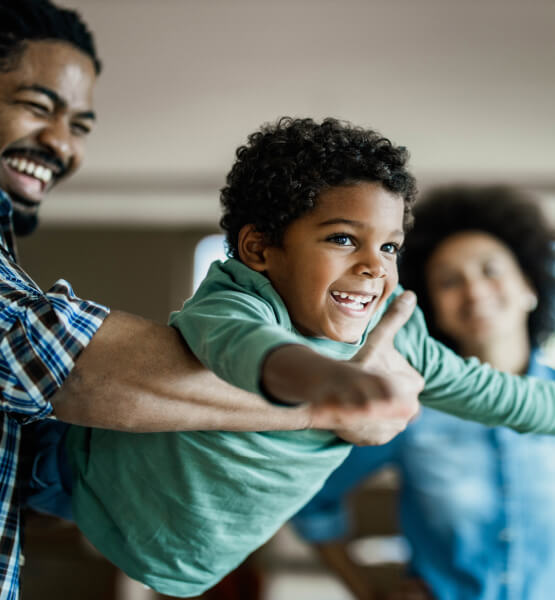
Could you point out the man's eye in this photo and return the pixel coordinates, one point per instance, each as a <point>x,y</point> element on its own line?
<point>36,107</point>
<point>341,239</point>
<point>80,129</point>
<point>391,248</point>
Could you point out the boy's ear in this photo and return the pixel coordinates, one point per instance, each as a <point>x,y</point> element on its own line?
<point>251,248</point>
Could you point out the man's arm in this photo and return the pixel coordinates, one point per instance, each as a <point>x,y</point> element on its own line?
<point>137,375</point>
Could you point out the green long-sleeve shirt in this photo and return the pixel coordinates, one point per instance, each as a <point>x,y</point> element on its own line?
<point>177,511</point>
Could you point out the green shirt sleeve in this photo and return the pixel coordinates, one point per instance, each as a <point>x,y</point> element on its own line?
<point>232,330</point>
<point>471,390</point>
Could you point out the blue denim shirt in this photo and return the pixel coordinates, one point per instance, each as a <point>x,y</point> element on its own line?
<point>477,505</point>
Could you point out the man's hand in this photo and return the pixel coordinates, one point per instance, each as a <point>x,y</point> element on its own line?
<point>392,386</point>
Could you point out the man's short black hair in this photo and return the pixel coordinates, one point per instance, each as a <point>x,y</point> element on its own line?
<point>279,174</point>
<point>508,215</point>
<point>23,21</point>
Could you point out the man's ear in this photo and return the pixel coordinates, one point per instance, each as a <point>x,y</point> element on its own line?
<point>251,248</point>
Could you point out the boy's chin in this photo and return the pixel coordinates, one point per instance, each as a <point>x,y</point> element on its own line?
<point>349,336</point>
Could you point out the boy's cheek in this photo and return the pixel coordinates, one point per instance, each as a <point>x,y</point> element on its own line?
<point>389,288</point>
<point>392,282</point>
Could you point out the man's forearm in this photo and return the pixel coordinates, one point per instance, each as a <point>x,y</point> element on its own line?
<point>136,375</point>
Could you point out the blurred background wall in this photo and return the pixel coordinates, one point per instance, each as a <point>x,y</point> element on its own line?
<point>468,87</point>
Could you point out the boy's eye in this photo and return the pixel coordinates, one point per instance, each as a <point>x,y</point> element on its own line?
<point>391,248</point>
<point>341,239</point>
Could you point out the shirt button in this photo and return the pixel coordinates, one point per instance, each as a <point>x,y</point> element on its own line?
<point>505,535</point>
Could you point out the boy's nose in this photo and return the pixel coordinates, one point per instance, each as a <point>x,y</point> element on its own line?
<point>371,268</point>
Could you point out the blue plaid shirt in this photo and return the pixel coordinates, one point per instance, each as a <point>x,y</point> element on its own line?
<point>41,335</point>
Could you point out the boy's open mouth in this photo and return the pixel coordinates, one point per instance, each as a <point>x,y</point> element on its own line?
<point>353,301</point>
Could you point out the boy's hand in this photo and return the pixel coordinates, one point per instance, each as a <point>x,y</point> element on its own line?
<point>392,385</point>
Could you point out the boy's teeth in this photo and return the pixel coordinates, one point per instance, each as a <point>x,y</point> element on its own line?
<point>28,167</point>
<point>361,300</point>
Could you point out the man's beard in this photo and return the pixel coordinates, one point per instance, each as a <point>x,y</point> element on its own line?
<point>24,223</point>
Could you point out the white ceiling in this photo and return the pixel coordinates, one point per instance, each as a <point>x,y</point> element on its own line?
<point>468,86</point>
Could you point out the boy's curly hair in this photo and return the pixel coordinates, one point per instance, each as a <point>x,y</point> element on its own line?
<point>505,213</point>
<point>280,172</point>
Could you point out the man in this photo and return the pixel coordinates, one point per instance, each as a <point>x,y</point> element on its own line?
<point>73,358</point>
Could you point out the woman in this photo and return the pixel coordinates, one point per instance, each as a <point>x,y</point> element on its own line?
<point>476,502</point>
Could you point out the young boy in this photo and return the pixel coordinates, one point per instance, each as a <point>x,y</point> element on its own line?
<point>315,216</point>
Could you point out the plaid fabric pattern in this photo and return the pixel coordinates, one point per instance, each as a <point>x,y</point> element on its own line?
<point>41,335</point>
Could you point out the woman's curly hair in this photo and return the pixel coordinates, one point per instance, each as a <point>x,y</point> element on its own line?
<point>280,172</point>
<point>507,214</point>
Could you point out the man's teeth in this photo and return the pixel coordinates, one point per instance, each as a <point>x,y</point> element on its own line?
<point>28,167</point>
<point>359,300</point>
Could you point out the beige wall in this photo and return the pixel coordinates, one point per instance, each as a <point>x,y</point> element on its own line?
<point>467,86</point>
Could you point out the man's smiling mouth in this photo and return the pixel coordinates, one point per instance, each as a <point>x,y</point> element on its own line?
<point>353,301</point>
<point>31,168</point>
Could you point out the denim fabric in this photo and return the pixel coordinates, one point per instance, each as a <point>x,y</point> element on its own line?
<point>49,487</point>
<point>476,505</point>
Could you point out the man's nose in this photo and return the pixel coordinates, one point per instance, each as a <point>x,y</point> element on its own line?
<point>56,136</point>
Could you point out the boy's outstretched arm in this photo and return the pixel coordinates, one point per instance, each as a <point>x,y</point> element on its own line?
<point>372,397</point>
<point>136,375</point>
<point>475,391</point>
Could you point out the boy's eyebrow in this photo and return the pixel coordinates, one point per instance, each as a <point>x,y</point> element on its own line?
<point>353,223</point>
<point>341,221</point>
<point>56,98</point>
